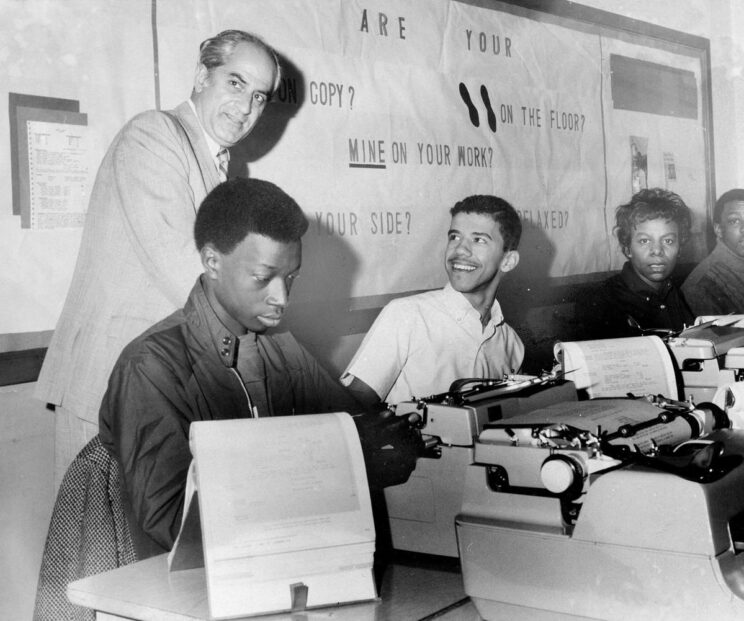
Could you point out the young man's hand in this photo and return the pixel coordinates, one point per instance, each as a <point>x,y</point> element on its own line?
<point>391,445</point>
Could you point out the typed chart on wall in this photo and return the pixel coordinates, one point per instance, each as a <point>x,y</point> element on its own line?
<point>54,168</point>
<point>58,174</point>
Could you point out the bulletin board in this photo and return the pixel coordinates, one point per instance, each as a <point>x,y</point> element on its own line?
<point>390,111</point>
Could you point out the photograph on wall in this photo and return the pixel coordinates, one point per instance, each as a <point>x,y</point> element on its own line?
<point>638,164</point>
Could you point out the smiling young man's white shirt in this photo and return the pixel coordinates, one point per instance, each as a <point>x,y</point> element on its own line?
<point>420,344</point>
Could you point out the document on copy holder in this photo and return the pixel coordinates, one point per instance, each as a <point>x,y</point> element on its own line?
<point>615,367</point>
<point>282,511</point>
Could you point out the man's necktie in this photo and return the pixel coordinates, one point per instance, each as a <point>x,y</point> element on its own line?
<point>223,158</point>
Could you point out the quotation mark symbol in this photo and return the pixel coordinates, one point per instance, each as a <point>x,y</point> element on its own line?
<point>473,111</point>
<point>474,119</point>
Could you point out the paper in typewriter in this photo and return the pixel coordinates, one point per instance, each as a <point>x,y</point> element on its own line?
<point>616,367</point>
<point>595,416</point>
<point>736,321</point>
<point>283,502</point>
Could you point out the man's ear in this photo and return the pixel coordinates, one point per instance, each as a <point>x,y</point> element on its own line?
<point>201,77</point>
<point>509,261</point>
<point>718,231</point>
<point>211,259</point>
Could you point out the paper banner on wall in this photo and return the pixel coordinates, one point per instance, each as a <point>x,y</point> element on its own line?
<point>391,113</point>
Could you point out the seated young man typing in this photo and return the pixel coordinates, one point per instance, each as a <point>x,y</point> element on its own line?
<point>420,344</point>
<point>217,358</point>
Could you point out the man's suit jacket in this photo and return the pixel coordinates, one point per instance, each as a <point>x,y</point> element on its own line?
<point>137,260</point>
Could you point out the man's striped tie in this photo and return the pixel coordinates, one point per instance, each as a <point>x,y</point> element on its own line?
<point>223,158</point>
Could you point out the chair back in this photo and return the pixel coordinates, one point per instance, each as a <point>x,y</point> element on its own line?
<point>88,533</point>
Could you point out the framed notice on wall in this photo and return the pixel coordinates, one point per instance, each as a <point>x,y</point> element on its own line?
<point>49,157</point>
<point>52,155</point>
<point>16,100</point>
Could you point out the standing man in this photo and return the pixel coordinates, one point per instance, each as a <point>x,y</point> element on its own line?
<point>716,285</point>
<point>420,344</point>
<point>137,261</point>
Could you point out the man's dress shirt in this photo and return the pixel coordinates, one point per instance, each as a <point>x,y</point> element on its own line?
<point>420,344</point>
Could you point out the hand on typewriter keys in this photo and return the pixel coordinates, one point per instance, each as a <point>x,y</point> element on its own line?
<point>390,445</point>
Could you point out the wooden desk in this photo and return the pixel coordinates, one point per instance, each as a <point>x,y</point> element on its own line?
<point>147,591</point>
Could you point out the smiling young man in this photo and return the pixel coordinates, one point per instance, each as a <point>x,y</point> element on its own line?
<point>420,344</point>
<point>716,285</point>
<point>137,260</point>
<point>217,358</point>
<point>651,230</point>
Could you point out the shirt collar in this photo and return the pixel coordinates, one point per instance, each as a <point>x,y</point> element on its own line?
<point>636,284</point>
<point>199,312</point>
<point>461,308</point>
<point>213,147</point>
<point>723,253</point>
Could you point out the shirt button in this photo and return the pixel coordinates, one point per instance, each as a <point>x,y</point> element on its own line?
<point>226,340</point>
<point>226,351</point>
<point>662,306</point>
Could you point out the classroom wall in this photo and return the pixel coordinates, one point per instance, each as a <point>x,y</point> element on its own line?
<point>26,432</point>
<point>26,496</point>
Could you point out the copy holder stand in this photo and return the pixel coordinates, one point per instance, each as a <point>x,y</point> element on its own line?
<point>278,512</point>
